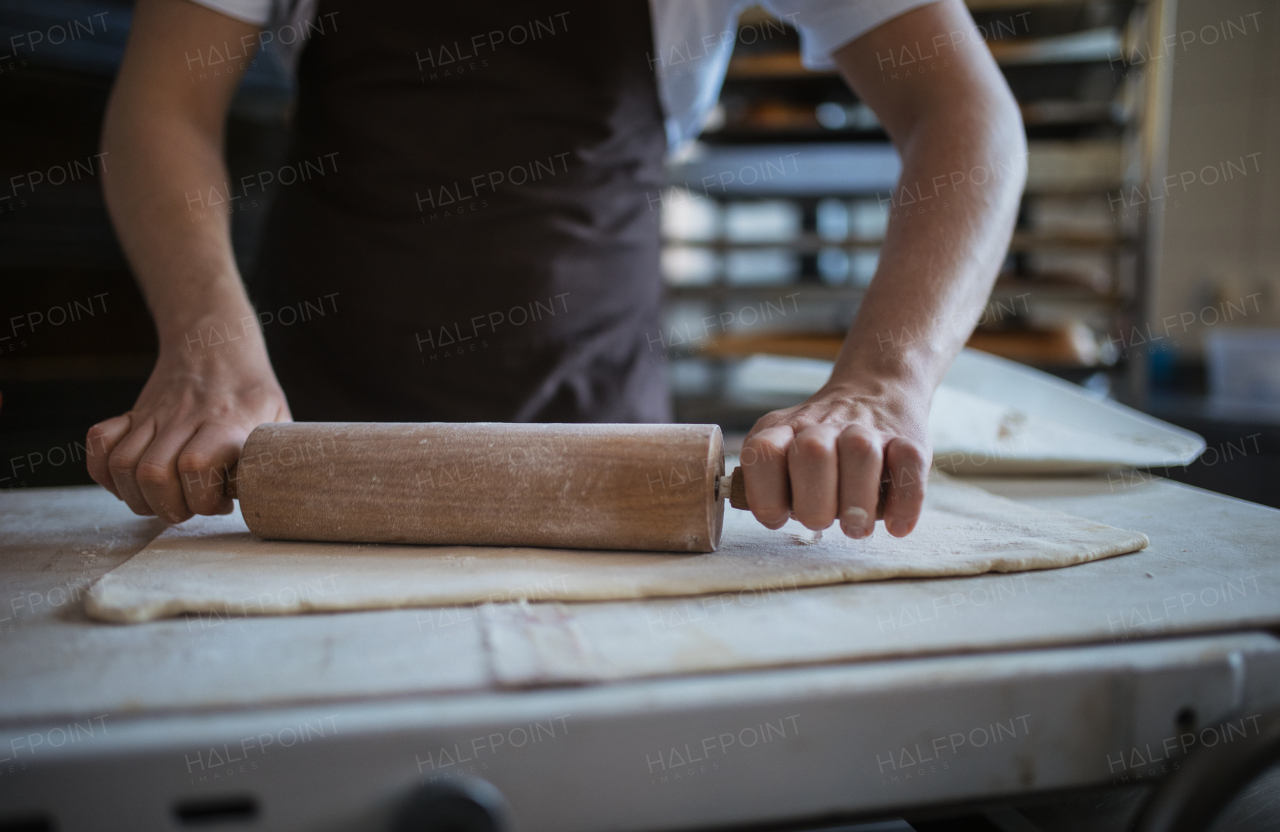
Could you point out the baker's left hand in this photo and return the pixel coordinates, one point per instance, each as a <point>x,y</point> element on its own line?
<point>826,458</point>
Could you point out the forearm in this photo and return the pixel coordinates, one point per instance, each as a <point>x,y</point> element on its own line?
<point>183,261</point>
<point>951,218</point>
<point>958,131</point>
<point>163,137</point>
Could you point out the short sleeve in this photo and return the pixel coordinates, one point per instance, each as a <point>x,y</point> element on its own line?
<point>257,12</point>
<point>827,25</point>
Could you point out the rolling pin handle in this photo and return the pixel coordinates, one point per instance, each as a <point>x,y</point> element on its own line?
<point>734,489</point>
<point>233,489</point>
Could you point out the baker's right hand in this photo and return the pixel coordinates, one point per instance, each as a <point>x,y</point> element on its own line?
<point>169,455</point>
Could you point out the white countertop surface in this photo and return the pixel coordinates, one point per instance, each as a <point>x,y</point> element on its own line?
<point>1213,566</point>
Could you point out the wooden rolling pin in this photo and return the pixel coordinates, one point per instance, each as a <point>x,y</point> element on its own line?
<point>645,487</point>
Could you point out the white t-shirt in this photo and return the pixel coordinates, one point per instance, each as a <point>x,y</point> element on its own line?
<point>693,39</point>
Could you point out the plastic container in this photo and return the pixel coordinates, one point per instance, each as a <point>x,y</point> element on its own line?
<point>1244,371</point>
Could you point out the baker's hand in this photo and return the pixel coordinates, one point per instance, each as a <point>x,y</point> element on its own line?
<point>825,459</point>
<point>169,455</point>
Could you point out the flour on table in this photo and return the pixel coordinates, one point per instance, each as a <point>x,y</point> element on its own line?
<point>214,566</point>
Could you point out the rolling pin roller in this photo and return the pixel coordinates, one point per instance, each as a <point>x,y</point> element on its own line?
<point>588,486</point>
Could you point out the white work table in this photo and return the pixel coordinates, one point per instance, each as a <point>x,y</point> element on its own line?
<point>855,694</point>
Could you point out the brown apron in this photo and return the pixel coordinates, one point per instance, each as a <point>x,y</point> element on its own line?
<point>474,217</point>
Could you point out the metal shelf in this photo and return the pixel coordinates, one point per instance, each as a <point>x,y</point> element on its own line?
<point>852,169</point>
<point>813,292</point>
<point>812,243</point>
<point>1089,46</point>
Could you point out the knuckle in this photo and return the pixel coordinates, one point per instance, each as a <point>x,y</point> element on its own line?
<point>802,421</point>
<point>759,450</point>
<point>194,462</point>
<point>857,444</point>
<point>909,454</point>
<point>120,466</point>
<point>810,447</point>
<point>152,474</point>
<point>768,439</point>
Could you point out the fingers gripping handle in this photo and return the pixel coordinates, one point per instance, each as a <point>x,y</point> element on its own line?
<point>734,489</point>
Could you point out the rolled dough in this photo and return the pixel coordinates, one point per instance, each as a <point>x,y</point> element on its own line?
<point>975,435</point>
<point>213,566</point>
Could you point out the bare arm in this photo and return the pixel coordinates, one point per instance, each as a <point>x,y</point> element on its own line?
<point>163,137</point>
<point>957,128</point>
